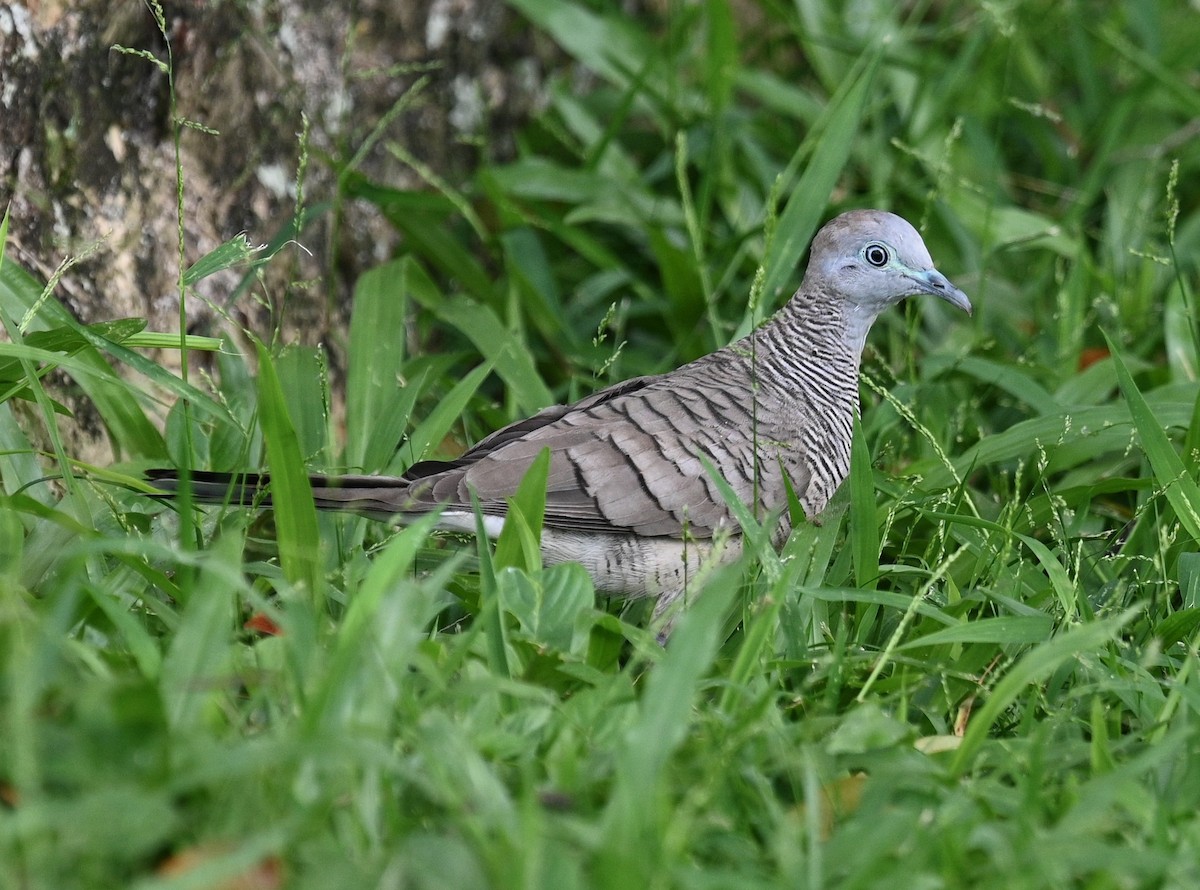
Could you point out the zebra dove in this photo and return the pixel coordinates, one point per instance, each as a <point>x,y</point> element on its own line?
<point>628,494</point>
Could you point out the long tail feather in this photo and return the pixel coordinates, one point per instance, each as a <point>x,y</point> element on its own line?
<point>378,497</point>
<point>214,488</point>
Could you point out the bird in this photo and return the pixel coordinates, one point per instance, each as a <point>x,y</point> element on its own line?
<point>630,493</point>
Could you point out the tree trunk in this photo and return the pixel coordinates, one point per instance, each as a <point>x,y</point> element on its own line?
<point>87,151</point>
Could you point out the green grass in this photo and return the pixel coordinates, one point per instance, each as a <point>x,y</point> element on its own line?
<point>980,669</point>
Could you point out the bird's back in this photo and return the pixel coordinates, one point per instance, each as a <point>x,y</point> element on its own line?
<point>639,458</point>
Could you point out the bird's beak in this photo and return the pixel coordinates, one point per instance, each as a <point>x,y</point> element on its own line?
<point>931,281</point>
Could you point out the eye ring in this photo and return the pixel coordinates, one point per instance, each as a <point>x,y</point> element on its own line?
<point>876,254</point>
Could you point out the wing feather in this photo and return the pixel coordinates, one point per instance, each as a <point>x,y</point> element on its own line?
<point>629,459</point>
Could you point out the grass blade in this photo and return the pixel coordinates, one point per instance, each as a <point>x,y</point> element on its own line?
<point>519,542</point>
<point>430,432</point>
<point>1034,666</point>
<point>291,494</point>
<point>830,143</point>
<point>1180,488</point>
<point>639,804</point>
<point>864,526</point>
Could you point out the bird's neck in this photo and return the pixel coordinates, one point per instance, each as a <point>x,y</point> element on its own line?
<point>825,328</point>
<point>858,321</point>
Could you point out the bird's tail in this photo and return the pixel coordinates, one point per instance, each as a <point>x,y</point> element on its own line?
<point>378,497</point>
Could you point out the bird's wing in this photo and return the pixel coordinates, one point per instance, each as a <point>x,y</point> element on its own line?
<point>514,431</point>
<point>630,459</point>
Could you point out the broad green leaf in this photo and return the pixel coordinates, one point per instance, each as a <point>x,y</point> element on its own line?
<point>1177,626</point>
<point>144,647</point>
<point>509,355</point>
<point>896,601</point>
<point>377,411</point>
<point>1005,630</point>
<point>550,605</point>
<point>721,59</point>
<point>531,272</point>
<point>866,728</point>
<point>603,44</point>
<point>519,542</point>
<point>1189,579</point>
<point>1061,583</point>
<point>291,493</point>
<point>1009,226</point>
<point>304,378</point>
<point>864,525</point>
<point>159,340</point>
<point>19,464</point>
<point>1013,379</point>
<point>443,249</point>
<point>491,619</point>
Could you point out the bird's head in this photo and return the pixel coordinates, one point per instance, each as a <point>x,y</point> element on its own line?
<point>872,259</point>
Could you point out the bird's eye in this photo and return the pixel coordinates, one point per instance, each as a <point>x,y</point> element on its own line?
<point>876,255</point>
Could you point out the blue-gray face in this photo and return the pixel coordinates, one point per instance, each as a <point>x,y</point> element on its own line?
<point>874,259</point>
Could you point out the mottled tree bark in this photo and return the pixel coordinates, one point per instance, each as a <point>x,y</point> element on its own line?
<point>87,155</point>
